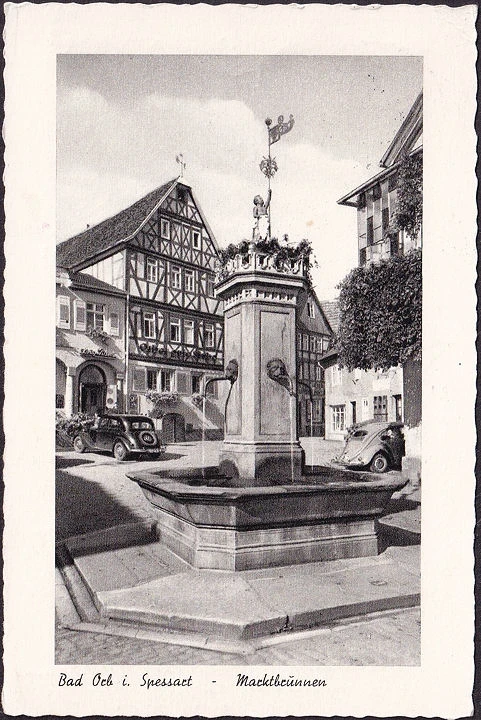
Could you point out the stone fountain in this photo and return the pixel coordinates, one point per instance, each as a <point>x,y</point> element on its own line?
<point>261,506</point>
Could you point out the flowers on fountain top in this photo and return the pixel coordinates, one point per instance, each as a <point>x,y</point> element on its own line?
<point>268,255</point>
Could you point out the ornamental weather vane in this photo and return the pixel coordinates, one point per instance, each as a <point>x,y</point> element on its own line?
<point>268,166</point>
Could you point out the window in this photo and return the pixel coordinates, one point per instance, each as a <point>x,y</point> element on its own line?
<point>398,411</point>
<point>310,309</point>
<point>362,256</point>
<point>312,342</point>
<point>211,389</point>
<point>210,287</point>
<point>305,342</point>
<point>336,374</point>
<point>181,195</point>
<point>318,372</point>
<point>370,230</point>
<point>196,239</point>
<point>338,418</point>
<point>317,410</point>
<point>376,192</point>
<point>209,336</point>
<point>114,324</point>
<point>385,219</point>
<point>182,378</point>
<point>63,312</point>
<point>166,380</point>
<point>196,383</point>
<point>152,270</point>
<point>151,379</point>
<point>149,325</point>
<point>95,316</point>
<point>380,408</point>
<point>189,332</point>
<point>138,264</point>
<point>175,330</point>
<point>59,401</point>
<point>189,280</point>
<point>165,229</point>
<point>176,282</point>
<point>139,378</point>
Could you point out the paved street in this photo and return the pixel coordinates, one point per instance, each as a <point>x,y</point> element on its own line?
<point>94,493</point>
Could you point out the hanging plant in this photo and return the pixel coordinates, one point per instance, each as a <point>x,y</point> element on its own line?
<point>197,400</point>
<point>163,398</point>
<point>97,334</point>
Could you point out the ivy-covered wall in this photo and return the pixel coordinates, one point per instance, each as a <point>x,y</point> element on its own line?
<point>381,314</point>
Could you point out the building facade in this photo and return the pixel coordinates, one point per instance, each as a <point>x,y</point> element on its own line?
<point>376,199</point>
<point>160,253</point>
<point>90,339</point>
<point>313,338</point>
<point>358,395</point>
<point>362,395</point>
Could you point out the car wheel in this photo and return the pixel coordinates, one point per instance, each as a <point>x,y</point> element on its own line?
<point>379,463</point>
<point>79,445</point>
<point>120,451</point>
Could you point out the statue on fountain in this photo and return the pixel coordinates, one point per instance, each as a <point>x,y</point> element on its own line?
<point>261,217</point>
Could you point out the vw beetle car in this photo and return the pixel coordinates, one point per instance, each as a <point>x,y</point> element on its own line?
<point>122,435</point>
<point>373,444</point>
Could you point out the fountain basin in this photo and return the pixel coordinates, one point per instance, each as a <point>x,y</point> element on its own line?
<point>211,521</point>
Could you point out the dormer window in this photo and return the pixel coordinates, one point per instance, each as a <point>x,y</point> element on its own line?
<point>181,195</point>
<point>310,309</point>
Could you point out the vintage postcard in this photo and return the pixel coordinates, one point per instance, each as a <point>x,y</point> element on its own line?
<point>240,326</point>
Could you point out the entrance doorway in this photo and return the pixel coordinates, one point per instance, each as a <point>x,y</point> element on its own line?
<point>92,390</point>
<point>173,428</point>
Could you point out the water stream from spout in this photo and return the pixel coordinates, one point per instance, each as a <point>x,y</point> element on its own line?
<point>312,442</point>
<point>292,416</point>
<point>203,435</point>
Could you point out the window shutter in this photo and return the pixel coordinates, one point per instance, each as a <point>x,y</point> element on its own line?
<point>80,315</point>
<point>63,312</point>
<point>114,324</point>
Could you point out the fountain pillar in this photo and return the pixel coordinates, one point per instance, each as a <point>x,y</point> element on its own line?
<point>261,445</point>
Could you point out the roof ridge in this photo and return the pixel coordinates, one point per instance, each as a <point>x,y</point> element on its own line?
<point>116,214</point>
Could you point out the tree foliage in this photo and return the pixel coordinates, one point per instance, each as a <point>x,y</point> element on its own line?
<point>381,313</point>
<point>408,215</point>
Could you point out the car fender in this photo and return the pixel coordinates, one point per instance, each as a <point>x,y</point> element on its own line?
<point>85,435</point>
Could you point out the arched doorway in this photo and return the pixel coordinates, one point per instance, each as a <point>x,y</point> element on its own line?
<point>92,390</point>
<point>173,428</point>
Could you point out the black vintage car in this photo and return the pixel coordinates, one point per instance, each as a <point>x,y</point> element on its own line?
<point>122,435</point>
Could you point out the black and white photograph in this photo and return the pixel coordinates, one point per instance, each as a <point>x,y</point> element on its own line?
<point>246,458</point>
<point>238,359</point>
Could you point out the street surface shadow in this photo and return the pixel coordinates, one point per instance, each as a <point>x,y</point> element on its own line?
<point>170,456</point>
<point>81,506</point>
<point>61,462</point>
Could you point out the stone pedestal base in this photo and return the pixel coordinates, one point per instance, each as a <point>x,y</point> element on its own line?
<point>262,464</point>
<point>231,549</point>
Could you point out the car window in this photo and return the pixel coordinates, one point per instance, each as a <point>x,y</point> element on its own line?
<point>115,424</point>
<point>103,423</point>
<point>359,434</point>
<point>142,425</point>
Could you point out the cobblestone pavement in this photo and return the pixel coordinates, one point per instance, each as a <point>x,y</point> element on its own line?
<point>389,639</point>
<point>93,493</point>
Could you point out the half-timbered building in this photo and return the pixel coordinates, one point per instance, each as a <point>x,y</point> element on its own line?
<point>313,337</point>
<point>162,253</point>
